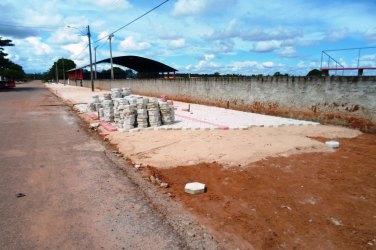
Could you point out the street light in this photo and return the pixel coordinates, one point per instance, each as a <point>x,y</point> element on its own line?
<point>95,61</point>
<point>91,60</point>
<point>112,65</point>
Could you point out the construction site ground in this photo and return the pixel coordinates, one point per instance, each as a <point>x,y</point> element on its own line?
<point>268,186</point>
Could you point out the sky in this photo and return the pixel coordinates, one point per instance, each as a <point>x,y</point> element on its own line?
<point>194,36</point>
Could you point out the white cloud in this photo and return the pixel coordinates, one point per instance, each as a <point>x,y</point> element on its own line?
<point>64,35</point>
<point>239,28</point>
<point>241,66</point>
<point>287,52</point>
<point>336,35</point>
<point>111,4</point>
<point>177,43</point>
<point>301,64</point>
<point>103,34</point>
<point>131,44</point>
<point>368,60</point>
<point>267,64</point>
<point>224,46</point>
<point>253,67</point>
<point>206,7</point>
<point>77,50</point>
<point>42,14</point>
<point>370,34</point>
<point>189,7</point>
<point>40,48</point>
<point>205,65</point>
<point>266,46</point>
<point>208,57</point>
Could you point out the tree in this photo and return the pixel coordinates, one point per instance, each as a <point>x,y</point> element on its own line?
<point>4,43</point>
<point>9,69</point>
<point>60,67</point>
<point>315,72</point>
<point>119,73</point>
<point>279,74</point>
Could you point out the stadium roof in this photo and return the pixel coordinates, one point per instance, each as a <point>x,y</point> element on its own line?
<point>137,63</point>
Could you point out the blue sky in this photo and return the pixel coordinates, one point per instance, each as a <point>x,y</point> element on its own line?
<point>194,36</point>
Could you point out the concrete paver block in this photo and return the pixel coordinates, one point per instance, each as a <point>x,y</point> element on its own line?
<point>94,125</point>
<point>194,188</point>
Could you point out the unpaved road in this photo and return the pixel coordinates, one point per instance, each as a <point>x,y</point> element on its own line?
<point>73,197</point>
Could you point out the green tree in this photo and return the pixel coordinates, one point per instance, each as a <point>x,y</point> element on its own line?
<point>60,67</point>
<point>119,73</point>
<point>9,69</point>
<point>279,74</point>
<point>315,72</point>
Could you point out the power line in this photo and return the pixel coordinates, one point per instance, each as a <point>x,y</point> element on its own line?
<point>134,20</point>
<point>81,52</point>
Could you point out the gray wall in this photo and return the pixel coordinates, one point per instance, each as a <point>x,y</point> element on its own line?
<point>349,101</point>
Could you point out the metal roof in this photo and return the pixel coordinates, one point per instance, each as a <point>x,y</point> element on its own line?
<point>137,63</point>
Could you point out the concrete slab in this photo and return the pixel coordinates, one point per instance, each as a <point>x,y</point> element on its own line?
<point>194,188</point>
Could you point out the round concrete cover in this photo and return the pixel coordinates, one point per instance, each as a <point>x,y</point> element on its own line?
<point>194,188</point>
<point>332,144</point>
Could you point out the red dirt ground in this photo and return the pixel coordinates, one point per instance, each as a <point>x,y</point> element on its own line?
<point>307,201</point>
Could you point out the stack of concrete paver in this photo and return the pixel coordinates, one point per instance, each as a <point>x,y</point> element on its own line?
<point>95,105</point>
<point>154,113</point>
<point>132,100</point>
<point>167,113</point>
<point>142,118</point>
<point>142,113</point>
<point>116,93</point>
<point>129,117</point>
<point>107,96</point>
<point>119,105</point>
<point>126,92</point>
<point>108,110</point>
<point>128,112</point>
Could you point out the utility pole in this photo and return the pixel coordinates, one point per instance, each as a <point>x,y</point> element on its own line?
<point>112,66</point>
<point>91,60</point>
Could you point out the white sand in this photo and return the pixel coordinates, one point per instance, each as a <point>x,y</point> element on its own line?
<point>166,149</point>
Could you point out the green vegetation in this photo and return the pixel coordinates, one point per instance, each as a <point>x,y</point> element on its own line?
<point>9,69</point>
<point>315,72</point>
<point>278,74</point>
<point>119,73</point>
<point>58,69</point>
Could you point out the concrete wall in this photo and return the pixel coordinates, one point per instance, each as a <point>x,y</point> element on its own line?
<point>349,101</point>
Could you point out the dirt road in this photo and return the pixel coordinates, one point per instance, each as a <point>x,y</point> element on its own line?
<point>58,189</point>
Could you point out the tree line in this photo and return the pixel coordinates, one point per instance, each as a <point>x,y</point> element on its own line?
<point>8,69</point>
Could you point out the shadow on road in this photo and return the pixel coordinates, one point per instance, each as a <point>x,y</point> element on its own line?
<point>21,89</point>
